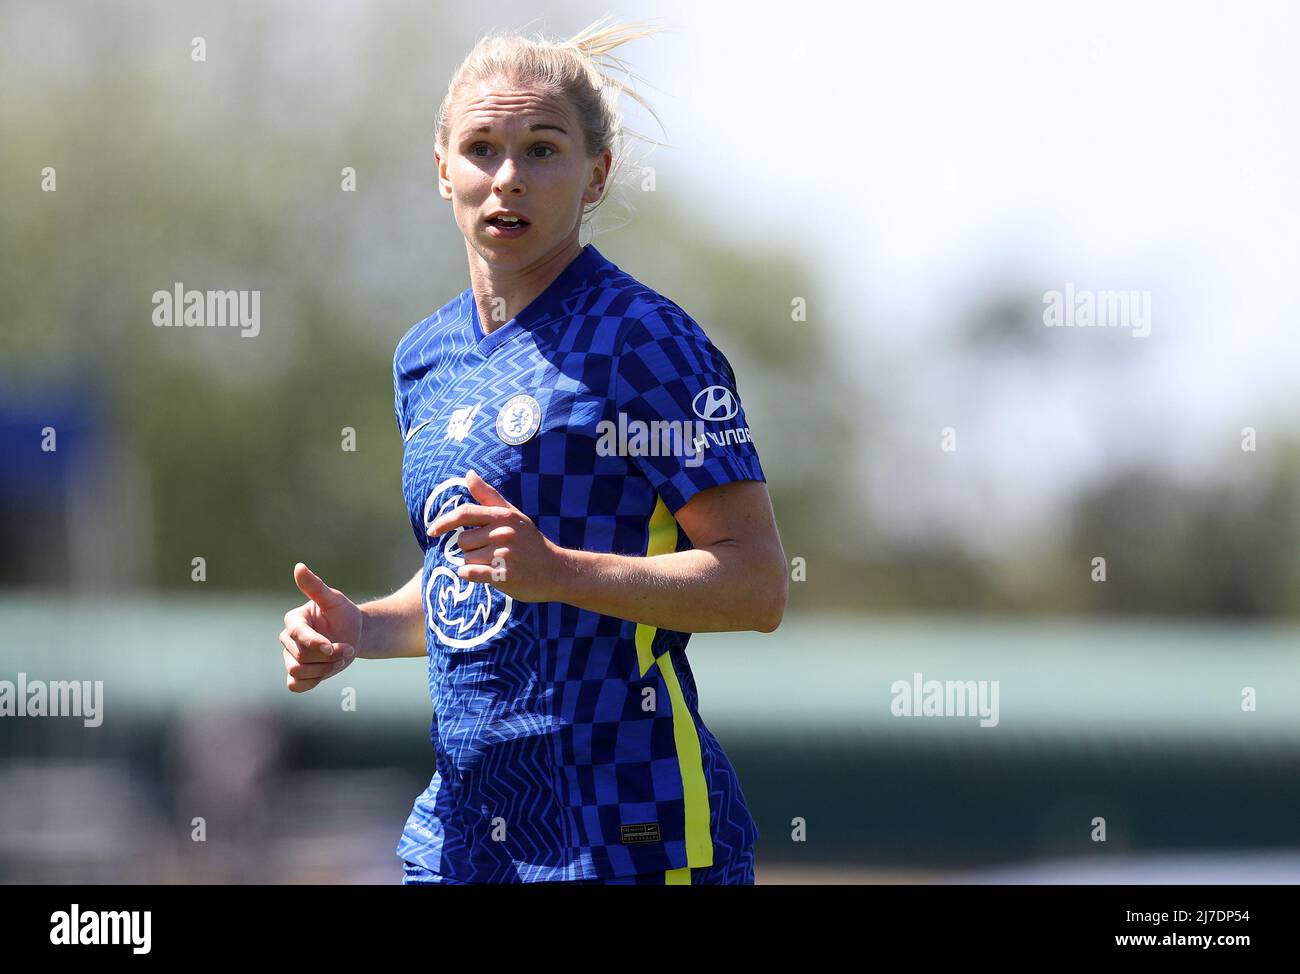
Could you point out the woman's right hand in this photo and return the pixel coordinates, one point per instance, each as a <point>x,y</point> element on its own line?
<point>320,637</point>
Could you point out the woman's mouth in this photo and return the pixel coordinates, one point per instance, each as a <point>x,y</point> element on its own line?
<point>506,227</point>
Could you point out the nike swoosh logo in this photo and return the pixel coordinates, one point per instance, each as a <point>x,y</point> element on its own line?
<point>415,429</point>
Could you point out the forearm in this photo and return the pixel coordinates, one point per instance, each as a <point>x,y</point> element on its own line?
<point>722,588</point>
<point>393,627</point>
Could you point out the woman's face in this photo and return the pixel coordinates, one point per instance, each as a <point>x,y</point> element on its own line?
<point>518,150</point>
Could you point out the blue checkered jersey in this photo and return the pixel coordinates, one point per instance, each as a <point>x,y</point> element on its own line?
<point>567,744</point>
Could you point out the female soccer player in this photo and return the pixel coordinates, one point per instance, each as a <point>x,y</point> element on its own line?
<point>581,478</point>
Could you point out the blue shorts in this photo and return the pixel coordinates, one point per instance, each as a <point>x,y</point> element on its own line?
<point>736,872</point>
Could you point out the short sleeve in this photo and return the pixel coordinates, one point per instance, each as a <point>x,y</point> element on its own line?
<point>399,398</point>
<point>673,384</point>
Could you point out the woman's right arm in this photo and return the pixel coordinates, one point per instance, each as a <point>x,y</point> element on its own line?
<point>394,625</point>
<point>326,633</point>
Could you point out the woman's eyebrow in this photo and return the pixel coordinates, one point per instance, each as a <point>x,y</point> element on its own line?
<point>535,127</point>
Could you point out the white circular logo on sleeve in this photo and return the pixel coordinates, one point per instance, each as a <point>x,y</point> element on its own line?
<point>519,419</point>
<point>715,404</point>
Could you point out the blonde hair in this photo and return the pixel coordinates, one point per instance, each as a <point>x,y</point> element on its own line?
<point>571,69</point>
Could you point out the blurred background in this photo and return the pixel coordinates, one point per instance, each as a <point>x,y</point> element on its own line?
<point>867,208</point>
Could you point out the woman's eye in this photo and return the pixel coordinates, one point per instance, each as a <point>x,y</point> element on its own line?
<point>473,150</point>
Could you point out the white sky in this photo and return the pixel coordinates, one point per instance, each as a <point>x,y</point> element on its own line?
<point>913,148</point>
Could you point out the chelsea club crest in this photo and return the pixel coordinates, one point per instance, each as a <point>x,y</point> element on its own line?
<point>519,419</point>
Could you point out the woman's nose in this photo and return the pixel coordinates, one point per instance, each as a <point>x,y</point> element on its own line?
<point>509,178</point>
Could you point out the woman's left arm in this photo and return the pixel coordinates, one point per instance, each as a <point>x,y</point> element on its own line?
<point>735,578</point>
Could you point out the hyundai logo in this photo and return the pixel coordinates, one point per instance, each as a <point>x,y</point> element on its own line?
<point>716,403</point>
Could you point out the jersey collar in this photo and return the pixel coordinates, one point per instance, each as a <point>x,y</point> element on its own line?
<point>543,307</point>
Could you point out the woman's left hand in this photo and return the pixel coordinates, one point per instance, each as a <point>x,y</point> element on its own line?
<point>502,546</point>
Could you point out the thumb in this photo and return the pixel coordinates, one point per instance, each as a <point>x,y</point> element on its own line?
<point>485,493</point>
<point>311,585</point>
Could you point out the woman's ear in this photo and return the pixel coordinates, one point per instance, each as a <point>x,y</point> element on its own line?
<point>600,173</point>
<point>440,165</point>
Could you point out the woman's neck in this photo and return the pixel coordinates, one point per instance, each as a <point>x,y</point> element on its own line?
<point>501,294</point>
